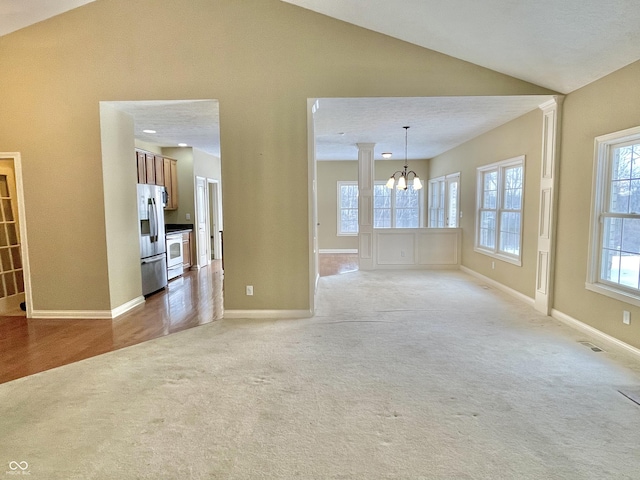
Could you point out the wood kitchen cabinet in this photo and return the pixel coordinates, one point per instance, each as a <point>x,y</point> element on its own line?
<point>170,170</point>
<point>150,164</point>
<point>142,168</point>
<point>186,250</point>
<point>158,170</point>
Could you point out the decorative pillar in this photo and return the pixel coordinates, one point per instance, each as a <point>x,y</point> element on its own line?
<point>366,239</point>
<point>545,265</point>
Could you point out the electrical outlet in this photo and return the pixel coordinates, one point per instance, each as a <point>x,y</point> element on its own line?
<point>493,265</point>
<point>249,289</point>
<point>626,317</point>
<point>188,216</point>
<point>402,253</point>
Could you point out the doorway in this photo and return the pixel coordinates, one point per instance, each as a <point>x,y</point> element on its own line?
<point>215,219</point>
<point>15,291</point>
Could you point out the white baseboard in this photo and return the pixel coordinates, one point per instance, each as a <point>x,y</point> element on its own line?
<point>88,314</point>
<point>271,314</point>
<point>558,315</point>
<point>589,330</point>
<point>124,308</point>
<point>499,286</point>
<point>338,250</point>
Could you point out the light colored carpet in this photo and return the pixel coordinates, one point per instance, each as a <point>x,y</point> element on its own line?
<point>413,375</point>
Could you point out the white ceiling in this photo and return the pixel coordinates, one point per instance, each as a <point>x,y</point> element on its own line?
<point>17,14</point>
<point>437,124</point>
<point>194,122</point>
<point>561,45</point>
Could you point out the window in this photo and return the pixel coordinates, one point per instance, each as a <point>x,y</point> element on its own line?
<point>392,208</point>
<point>443,201</point>
<point>347,208</point>
<point>614,260</point>
<point>499,209</point>
<point>382,206</point>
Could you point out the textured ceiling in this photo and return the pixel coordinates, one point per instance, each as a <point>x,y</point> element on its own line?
<point>561,45</point>
<point>194,122</point>
<point>437,124</point>
<point>17,14</point>
<point>558,44</point>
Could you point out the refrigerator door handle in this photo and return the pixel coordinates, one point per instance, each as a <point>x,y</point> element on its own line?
<point>152,220</point>
<point>154,234</point>
<point>158,258</point>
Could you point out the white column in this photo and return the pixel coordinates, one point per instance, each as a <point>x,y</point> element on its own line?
<point>366,170</point>
<point>548,204</point>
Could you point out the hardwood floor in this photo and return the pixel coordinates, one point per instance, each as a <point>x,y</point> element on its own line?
<point>29,346</point>
<point>337,263</point>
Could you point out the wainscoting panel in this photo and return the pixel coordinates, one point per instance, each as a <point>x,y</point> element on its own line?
<point>417,247</point>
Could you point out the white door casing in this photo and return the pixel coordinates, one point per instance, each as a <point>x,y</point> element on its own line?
<point>201,226</point>
<point>12,167</point>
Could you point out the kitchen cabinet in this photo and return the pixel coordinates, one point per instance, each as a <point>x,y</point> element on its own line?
<point>170,170</point>
<point>158,170</point>
<point>186,250</point>
<point>142,168</point>
<point>150,164</point>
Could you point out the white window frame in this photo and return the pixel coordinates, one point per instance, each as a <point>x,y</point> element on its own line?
<point>339,231</point>
<point>439,208</point>
<point>600,197</point>
<point>393,207</point>
<point>500,168</point>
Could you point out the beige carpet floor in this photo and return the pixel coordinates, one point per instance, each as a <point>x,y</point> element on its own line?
<point>414,375</point>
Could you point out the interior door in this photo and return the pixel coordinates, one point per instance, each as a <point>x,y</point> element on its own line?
<point>201,217</point>
<point>11,269</point>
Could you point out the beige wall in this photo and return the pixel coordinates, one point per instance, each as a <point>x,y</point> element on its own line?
<point>605,106</point>
<point>186,185</point>
<point>149,147</point>
<point>121,221</point>
<point>522,136</point>
<point>329,173</point>
<point>262,59</point>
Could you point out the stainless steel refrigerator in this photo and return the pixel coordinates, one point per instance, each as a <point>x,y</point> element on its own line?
<point>153,256</point>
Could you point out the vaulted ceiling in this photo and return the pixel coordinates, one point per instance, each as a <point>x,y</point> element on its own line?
<point>560,45</point>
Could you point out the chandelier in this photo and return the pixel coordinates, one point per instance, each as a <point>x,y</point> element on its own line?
<point>403,175</point>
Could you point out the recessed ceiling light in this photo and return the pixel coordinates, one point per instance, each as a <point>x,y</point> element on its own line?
<point>148,131</point>
<point>182,144</point>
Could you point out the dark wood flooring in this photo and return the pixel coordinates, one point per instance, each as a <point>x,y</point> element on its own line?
<point>29,346</point>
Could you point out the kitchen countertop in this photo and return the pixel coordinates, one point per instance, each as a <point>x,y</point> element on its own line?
<point>170,228</point>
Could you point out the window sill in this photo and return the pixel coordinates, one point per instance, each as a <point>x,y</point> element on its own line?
<point>613,293</point>
<point>499,256</point>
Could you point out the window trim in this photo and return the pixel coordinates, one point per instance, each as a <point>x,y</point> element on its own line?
<point>603,145</point>
<point>499,167</point>
<point>339,231</point>
<point>445,179</point>
<point>421,212</point>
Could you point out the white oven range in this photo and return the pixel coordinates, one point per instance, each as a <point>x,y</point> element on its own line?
<point>174,255</point>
